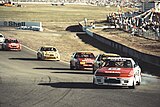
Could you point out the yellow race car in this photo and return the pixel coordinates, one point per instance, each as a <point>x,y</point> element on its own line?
<point>48,53</point>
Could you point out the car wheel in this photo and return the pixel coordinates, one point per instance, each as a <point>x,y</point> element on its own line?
<point>94,85</point>
<point>139,82</point>
<point>71,66</point>
<point>38,57</point>
<point>93,69</point>
<point>76,66</point>
<point>133,86</point>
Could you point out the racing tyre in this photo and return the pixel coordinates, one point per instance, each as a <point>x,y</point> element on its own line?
<point>133,86</point>
<point>77,67</point>
<point>71,67</point>
<point>93,69</point>
<point>139,82</point>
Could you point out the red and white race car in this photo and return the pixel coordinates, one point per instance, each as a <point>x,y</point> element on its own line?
<point>11,44</point>
<point>81,60</point>
<point>118,72</point>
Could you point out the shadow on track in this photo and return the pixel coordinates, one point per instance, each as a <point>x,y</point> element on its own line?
<point>79,85</point>
<point>64,71</point>
<point>95,43</point>
<point>52,68</point>
<point>24,59</point>
<point>75,72</point>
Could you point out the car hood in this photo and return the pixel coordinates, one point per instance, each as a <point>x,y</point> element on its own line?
<point>90,60</point>
<point>115,70</point>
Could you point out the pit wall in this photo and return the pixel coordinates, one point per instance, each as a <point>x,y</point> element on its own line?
<point>151,59</point>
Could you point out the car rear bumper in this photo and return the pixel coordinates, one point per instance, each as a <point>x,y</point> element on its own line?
<point>51,58</point>
<point>86,66</point>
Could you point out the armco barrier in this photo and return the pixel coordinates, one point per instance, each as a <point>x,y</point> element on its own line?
<point>155,60</point>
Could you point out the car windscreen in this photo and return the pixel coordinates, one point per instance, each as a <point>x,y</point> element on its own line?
<point>11,41</point>
<point>48,49</point>
<point>1,36</point>
<point>84,55</point>
<point>118,63</point>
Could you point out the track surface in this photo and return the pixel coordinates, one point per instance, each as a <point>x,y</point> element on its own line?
<point>26,82</point>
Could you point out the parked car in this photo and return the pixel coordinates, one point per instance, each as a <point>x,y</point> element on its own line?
<point>81,60</point>
<point>11,44</point>
<point>48,53</point>
<point>101,58</point>
<point>118,72</point>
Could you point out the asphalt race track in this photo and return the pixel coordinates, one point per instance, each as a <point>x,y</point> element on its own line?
<point>27,82</point>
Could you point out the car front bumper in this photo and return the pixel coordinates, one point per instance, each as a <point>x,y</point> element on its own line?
<point>113,81</point>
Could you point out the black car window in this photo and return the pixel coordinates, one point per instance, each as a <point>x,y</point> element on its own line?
<point>84,55</point>
<point>120,64</point>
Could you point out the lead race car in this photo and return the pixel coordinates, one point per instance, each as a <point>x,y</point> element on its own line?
<point>118,71</point>
<point>48,53</point>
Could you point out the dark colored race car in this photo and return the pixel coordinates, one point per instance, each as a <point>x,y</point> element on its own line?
<point>101,58</point>
<point>81,60</point>
<point>11,44</point>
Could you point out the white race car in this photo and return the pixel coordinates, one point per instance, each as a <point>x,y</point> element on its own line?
<point>2,39</point>
<point>118,71</point>
<point>48,53</point>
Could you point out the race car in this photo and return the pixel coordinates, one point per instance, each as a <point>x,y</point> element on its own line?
<point>81,60</point>
<point>2,38</point>
<point>101,58</point>
<point>48,53</point>
<point>118,71</point>
<point>11,44</point>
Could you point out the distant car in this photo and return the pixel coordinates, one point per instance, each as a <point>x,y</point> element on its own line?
<point>81,60</point>
<point>101,58</point>
<point>118,72</point>
<point>11,44</point>
<point>2,39</point>
<point>48,53</point>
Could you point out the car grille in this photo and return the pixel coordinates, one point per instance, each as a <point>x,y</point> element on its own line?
<point>108,74</point>
<point>114,81</point>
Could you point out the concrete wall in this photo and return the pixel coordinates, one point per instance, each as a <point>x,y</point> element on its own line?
<point>155,60</point>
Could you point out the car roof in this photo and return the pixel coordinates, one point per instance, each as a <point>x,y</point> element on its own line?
<point>2,34</point>
<point>110,54</point>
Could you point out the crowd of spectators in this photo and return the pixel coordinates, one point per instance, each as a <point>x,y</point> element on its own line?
<point>136,25</point>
